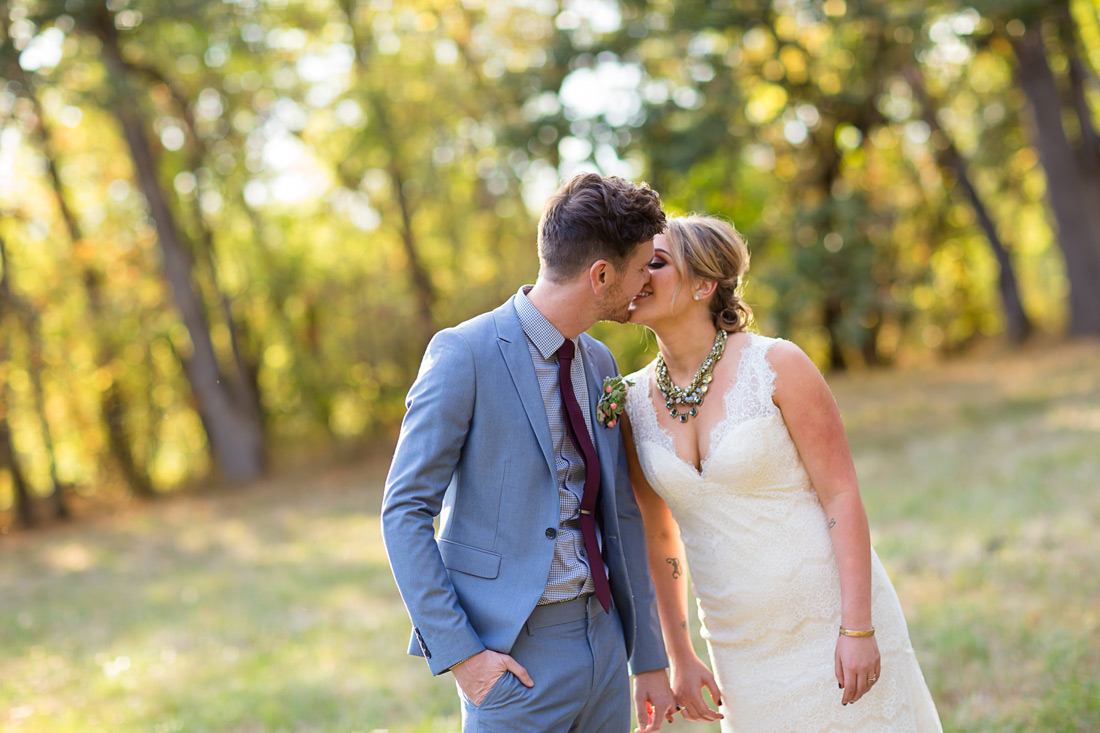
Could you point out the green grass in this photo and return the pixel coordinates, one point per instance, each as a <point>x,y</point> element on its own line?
<point>273,609</point>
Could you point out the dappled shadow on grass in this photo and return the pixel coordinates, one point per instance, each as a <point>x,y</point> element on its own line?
<point>264,612</point>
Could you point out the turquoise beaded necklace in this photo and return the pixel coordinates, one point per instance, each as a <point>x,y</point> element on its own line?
<point>690,397</point>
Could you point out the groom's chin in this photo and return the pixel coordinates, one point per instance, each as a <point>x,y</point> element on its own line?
<point>619,314</point>
<point>622,316</point>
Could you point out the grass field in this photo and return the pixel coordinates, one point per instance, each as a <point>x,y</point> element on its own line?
<point>273,609</point>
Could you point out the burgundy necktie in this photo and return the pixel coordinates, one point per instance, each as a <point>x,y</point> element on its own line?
<point>578,431</point>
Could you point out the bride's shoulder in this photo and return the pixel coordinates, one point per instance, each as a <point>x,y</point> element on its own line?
<point>782,355</point>
<point>794,371</point>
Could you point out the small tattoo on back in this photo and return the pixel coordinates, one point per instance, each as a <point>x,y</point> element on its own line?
<point>675,566</point>
<point>832,523</point>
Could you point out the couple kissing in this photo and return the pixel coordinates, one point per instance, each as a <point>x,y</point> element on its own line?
<point>569,512</point>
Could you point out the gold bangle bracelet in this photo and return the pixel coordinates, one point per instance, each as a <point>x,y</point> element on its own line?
<point>848,632</point>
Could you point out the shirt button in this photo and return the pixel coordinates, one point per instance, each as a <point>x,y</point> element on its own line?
<point>551,533</point>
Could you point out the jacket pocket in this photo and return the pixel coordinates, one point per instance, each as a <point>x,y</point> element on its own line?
<point>469,560</point>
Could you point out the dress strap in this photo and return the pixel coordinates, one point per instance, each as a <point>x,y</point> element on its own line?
<point>751,395</point>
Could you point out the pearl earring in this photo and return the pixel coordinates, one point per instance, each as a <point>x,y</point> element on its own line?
<point>695,297</point>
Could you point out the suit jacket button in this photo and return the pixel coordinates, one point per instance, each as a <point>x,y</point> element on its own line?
<point>551,533</point>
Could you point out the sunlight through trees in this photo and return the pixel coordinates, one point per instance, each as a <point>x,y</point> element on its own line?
<point>229,230</point>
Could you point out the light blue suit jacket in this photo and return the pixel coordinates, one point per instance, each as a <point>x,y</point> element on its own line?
<point>475,451</point>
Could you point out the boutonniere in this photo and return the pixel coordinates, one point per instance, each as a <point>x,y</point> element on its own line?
<point>613,401</point>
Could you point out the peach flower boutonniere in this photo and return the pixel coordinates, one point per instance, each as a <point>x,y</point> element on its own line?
<point>613,401</point>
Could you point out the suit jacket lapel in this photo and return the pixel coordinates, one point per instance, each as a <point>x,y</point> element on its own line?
<point>513,347</point>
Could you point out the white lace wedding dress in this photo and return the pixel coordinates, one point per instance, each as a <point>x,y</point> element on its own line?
<point>764,572</point>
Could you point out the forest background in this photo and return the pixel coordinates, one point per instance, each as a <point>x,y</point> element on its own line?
<point>229,228</point>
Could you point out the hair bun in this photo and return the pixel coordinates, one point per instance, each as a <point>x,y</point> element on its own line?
<point>735,316</point>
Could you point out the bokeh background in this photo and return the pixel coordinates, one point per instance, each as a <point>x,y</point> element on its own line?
<point>228,229</point>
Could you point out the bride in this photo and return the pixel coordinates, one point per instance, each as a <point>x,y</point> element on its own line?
<point>742,470</point>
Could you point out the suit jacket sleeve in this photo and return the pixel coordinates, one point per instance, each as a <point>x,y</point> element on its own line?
<point>649,646</point>
<point>439,410</point>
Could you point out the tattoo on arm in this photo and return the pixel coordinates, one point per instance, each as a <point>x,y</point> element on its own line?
<point>684,624</point>
<point>832,523</point>
<point>675,566</point>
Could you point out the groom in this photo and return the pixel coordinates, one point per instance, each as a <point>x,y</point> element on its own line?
<point>535,591</point>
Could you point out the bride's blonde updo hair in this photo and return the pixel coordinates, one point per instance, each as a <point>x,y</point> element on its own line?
<point>710,248</point>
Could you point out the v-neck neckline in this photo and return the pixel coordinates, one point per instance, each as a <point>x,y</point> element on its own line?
<point>701,470</point>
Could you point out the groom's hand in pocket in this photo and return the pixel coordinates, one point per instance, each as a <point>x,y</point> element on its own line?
<point>477,675</point>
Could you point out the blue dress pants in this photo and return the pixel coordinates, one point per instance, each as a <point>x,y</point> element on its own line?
<point>576,656</point>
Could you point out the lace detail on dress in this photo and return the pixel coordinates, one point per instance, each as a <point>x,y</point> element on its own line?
<point>750,395</point>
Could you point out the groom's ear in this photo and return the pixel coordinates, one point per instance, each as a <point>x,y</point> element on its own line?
<point>600,275</point>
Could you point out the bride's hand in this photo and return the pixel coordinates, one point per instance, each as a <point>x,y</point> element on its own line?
<point>857,666</point>
<point>689,677</point>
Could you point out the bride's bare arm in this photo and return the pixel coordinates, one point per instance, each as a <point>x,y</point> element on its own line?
<point>813,419</point>
<point>666,555</point>
<point>667,564</point>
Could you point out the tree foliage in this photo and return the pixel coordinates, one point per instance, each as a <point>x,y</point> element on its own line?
<point>230,229</point>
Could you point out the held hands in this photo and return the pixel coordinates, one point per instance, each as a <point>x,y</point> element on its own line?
<point>477,675</point>
<point>688,680</point>
<point>857,666</point>
<point>653,700</point>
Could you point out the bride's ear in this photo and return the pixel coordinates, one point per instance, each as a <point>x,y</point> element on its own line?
<point>704,289</point>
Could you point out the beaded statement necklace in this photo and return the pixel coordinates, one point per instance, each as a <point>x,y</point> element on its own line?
<point>693,394</point>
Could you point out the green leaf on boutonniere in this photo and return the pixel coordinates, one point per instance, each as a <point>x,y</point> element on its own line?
<point>612,401</point>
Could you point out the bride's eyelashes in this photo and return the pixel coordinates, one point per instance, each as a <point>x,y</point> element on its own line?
<point>657,264</point>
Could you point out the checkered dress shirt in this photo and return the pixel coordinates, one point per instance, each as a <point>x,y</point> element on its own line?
<point>569,573</point>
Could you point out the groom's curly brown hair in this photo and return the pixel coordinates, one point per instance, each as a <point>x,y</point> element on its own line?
<point>594,218</point>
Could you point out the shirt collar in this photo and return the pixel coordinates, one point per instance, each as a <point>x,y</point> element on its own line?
<point>546,338</point>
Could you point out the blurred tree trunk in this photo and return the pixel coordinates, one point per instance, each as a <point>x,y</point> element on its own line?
<point>245,370</point>
<point>21,497</point>
<point>1017,324</point>
<point>26,317</point>
<point>1079,76</point>
<point>1088,142</point>
<point>832,304</point>
<point>1073,187</point>
<point>869,343</point>
<point>231,419</point>
<point>9,460</point>
<point>34,345</point>
<point>112,402</point>
<point>831,312</point>
<point>26,313</point>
